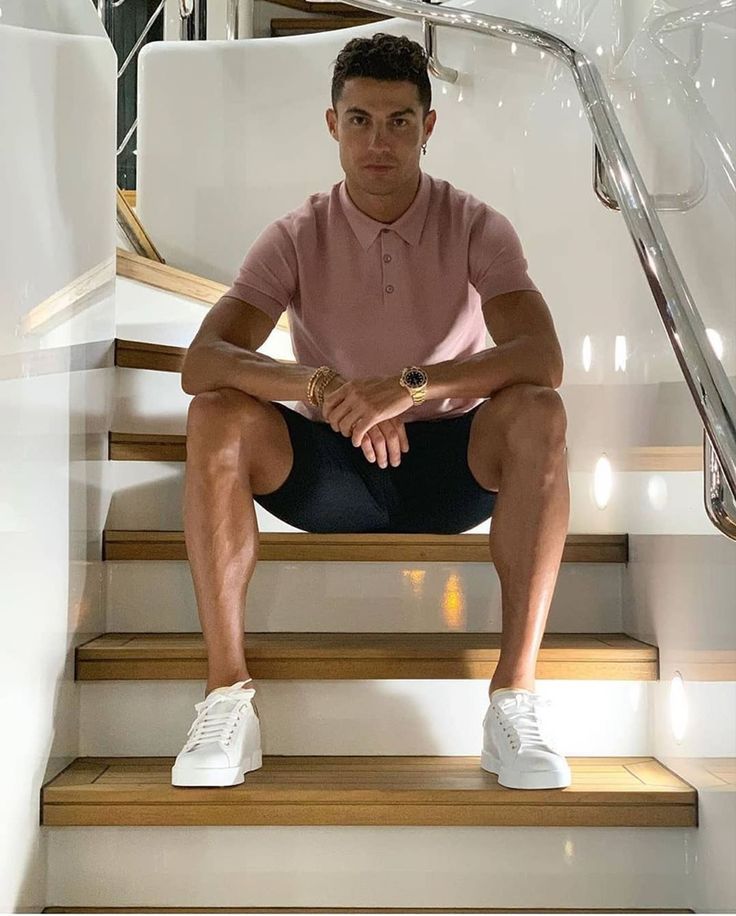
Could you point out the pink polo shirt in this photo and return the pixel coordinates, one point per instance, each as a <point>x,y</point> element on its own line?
<point>369,298</point>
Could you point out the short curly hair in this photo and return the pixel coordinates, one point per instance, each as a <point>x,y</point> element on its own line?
<point>383,57</point>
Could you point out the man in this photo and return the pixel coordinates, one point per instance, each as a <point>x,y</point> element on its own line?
<point>390,280</point>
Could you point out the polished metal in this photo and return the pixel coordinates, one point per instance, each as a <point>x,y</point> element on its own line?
<point>719,499</point>
<point>141,38</point>
<point>232,23</point>
<point>430,46</point>
<point>665,203</point>
<point>192,20</point>
<point>709,386</point>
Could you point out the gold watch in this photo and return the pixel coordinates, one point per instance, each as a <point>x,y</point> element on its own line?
<point>415,381</point>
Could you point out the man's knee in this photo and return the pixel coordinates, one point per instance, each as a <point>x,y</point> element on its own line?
<point>536,417</point>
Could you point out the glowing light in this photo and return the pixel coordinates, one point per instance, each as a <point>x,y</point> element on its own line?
<point>453,603</point>
<point>697,84</point>
<point>620,355</point>
<point>716,341</point>
<point>713,82</point>
<point>657,493</point>
<point>415,578</point>
<point>599,51</point>
<point>569,852</point>
<point>678,707</point>
<point>514,49</point>
<point>500,103</point>
<point>587,353</point>
<point>602,482</point>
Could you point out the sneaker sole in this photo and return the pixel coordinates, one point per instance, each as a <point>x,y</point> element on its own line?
<point>523,780</point>
<point>224,776</point>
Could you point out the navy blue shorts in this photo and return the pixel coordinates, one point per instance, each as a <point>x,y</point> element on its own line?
<point>333,488</point>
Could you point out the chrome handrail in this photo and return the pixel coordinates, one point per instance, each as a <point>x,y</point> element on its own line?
<point>709,386</point>
<point>665,203</point>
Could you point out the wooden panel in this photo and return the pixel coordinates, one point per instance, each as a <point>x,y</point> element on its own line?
<point>429,791</point>
<point>336,9</point>
<point>134,354</point>
<point>135,233</point>
<point>401,548</point>
<point>164,276</point>
<point>145,447</point>
<point>280,27</point>
<point>328,656</point>
<point>156,447</point>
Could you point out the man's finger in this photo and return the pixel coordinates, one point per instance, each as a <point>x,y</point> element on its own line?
<point>392,440</point>
<point>379,446</point>
<point>367,447</point>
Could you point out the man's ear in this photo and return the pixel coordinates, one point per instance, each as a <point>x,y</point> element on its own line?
<point>331,118</point>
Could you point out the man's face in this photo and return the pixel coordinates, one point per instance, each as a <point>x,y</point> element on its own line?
<point>379,123</point>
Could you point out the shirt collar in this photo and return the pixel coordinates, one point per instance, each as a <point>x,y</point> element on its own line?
<point>409,225</point>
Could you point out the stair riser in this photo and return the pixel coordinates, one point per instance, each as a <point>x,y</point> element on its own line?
<point>399,717</point>
<point>595,414</point>
<point>368,866</point>
<point>150,494</point>
<point>158,596</point>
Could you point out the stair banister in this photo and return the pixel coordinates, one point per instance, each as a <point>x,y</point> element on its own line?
<point>714,398</point>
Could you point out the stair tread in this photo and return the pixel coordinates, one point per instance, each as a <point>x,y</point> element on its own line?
<point>439,791</point>
<point>305,546</point>
<point>325,655</point>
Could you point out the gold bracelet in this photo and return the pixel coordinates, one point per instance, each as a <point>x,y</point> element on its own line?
<point>314,379</point>
<point>322,385</point>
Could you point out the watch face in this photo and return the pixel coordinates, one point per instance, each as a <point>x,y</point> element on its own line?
<point>415,378</point>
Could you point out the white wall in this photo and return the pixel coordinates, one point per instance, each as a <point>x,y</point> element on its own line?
<point>57,183</point>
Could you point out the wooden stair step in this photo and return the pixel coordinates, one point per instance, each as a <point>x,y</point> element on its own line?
<point>160,447</point>
<point>329,656</point>
<point>296,26</point>
<point>382,791</point>
<point>338,909</point>
<point>400,548</point>
<point>336,9</point>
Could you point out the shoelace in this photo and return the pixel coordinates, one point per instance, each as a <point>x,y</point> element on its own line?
<point>520,715</point>
<point>212,726</point>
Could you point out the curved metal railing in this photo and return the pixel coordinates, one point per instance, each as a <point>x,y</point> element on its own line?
<point>709,386</point>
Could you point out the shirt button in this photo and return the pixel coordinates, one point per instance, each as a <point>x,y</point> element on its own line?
<point>389,288</point>
<point>387,258</point>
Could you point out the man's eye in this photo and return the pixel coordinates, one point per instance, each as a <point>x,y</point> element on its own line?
<point>356,118</point>
<point>403,120</point>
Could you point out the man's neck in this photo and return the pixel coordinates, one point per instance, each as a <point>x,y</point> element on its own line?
<point>384,208</point>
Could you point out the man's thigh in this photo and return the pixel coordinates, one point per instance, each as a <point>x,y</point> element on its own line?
<point>332,487</point>
<point>433,489</point>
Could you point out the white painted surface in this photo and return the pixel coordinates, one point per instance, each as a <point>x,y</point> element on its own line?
<point>364,717</point>
<point>57,179</point>
<point>371,866</point>
<point>158,596</point>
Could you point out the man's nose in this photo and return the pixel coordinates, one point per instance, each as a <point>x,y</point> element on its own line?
<point>379,137</point>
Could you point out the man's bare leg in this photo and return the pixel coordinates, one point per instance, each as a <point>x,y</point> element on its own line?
<point>236,445</point>
<point>518,448</point>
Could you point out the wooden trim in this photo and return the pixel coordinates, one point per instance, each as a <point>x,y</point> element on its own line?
<point>164,276</point>
<point>281,27</point>
<point>129,196</point>
<point>134,231</point>
<point>136,354</point>
<point>69,301</point>
<point>335,9</point>
<point>157,447</point>
<point>342,656</point>
<point>400,548</point>
<point>385,791</point>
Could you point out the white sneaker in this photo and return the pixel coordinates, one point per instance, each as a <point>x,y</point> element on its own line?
<point>224,742</point>
<point>513,744</point>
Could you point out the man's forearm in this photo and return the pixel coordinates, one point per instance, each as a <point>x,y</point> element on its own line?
<point>478,376</point>
<point>224,365</point>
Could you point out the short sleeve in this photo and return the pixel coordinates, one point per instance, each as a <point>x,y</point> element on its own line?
<point>268,276</point>
<point>496,262</point>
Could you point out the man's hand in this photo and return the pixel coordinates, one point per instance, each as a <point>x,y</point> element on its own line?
<point>385,441</point>
<point>354,407</point>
